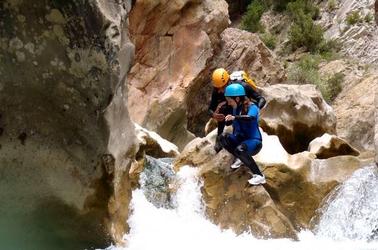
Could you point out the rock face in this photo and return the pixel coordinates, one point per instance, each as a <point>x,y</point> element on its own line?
<point>376,128</point>
<point>173,46</point>
<point>230,202</point>
<point>360,40</point>
<point>244,50</point>
<point>296,114</point>
<point>298,189</point>
<point>355,111</point>
<point>328,146</point>
<point>66,140</point>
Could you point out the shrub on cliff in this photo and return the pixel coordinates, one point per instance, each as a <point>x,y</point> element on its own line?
<point>306,71</point>
<point>251,19</point>
<point>305,33</point>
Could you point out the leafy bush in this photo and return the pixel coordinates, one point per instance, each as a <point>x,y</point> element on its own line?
<point>334,86</point>
<point>368,18</point>
<point>300,7</point>
<point>353,18</point>
<point>331,5</point>
<point>280,5</point>
<point>305,33</point>
<point>251,19</point>
<point>306,71</point>
<point>269,40</point>
<point>329,49</point>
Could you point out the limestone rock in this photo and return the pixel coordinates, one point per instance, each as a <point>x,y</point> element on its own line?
<point>328,146</point>
<point>359,40</point>
<point>296,114</point>
<point>173,46</point>
<point>376,128</point>
<point>153,145</point>
<point>244,50</point>
<point>65,134</point>
<point>230,201</point>
<point>296,185</point>
<point>355,111</point>
<point>298,190</point>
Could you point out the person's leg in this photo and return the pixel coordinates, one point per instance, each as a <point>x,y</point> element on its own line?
<point>245,151</point>
<point>228,142</point>
<point>243,154</point>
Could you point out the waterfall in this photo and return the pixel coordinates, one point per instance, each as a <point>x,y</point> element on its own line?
<point>351,210</point>
<point>183,225</point>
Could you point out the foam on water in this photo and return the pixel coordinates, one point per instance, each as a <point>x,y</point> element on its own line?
<point>186,227</point>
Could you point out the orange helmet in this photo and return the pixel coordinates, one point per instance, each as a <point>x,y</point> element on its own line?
<point>220,77</point>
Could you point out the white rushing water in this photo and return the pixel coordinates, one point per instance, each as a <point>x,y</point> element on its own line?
<point>186,227</point>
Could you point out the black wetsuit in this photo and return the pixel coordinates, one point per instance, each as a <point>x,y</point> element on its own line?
<point>217,98</point>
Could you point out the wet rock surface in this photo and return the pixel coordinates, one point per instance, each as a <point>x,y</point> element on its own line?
<point>296,186</point>
<point>62,153</point>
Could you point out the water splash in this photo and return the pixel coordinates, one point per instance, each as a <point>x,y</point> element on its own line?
<point>351,211</point>
<point>186,227</point>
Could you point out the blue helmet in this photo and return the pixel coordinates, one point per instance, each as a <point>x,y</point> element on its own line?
<point>234,89</point>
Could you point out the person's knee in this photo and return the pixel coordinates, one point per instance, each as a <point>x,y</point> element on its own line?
<point>224,140</point>
<point>241,149</point>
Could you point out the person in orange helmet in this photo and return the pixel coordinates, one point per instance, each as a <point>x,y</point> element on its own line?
<point>218,108</point>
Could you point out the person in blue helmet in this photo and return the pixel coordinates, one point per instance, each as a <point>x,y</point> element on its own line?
<point>218,107</point>
<point>246,139</point>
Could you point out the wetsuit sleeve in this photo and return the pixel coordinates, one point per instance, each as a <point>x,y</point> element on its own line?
<point>213,103</point>
<point>253,113</point>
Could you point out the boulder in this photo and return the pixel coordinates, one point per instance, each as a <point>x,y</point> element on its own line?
<point>296,186</point>
<point>355,111</point>
<point>230,201</point>
<point>328,146</point>
<point>153,144</point>
<point>299,188</point>
<point>173,47</point>
<point>66,139</point>
<point>150,145</point>
<point>296,114</point>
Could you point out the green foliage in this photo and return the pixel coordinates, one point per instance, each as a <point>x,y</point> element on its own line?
<point>305,33</point>
<point>306,71</point>
<point>368,18</point>
<point>280,5</point>
<point>331,5</point>
<point>353,18</point>
<point>333,86</point>
<point>251,19</point>
<point>269,40</point>
<point>300,7</point>
<point>329,49</point>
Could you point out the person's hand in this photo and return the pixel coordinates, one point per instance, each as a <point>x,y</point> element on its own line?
<point>229,118</point>
<point>220,105</point>
<point>218,117</point>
